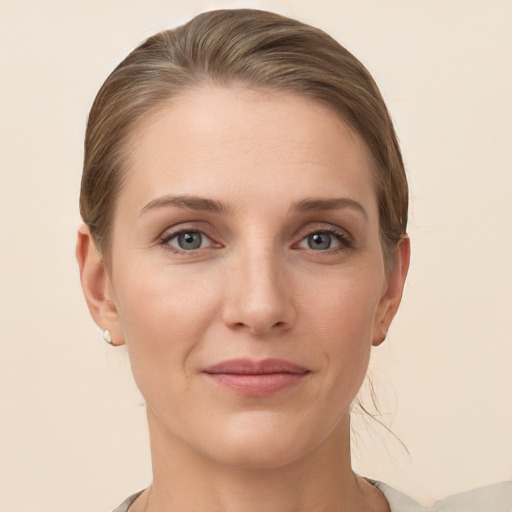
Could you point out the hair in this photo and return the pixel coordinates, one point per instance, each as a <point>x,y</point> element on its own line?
<point>246,47</point>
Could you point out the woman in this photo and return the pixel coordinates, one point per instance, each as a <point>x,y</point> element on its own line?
<point>245,209</point>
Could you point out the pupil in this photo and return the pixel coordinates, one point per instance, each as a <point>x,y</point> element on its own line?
<point>319,241</point>
<point>189,240</point>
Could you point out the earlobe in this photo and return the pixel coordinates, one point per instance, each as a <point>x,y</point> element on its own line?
<point>96,285</point>
<point>390,300</point>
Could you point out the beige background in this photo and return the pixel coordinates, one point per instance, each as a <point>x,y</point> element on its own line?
<point>72,430</point>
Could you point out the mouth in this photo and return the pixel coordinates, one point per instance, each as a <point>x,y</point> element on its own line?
<point>256,378</point>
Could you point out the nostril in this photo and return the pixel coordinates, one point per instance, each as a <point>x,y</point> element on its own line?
<point>256,329</point>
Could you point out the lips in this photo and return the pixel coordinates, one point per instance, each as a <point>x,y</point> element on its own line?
<point>256,378</point>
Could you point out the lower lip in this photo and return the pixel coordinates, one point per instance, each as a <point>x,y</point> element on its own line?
<point>256,385</point>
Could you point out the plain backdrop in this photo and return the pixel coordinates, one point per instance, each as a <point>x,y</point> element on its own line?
<point>72,427</point>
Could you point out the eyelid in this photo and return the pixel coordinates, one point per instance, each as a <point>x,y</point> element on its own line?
<point>324,227</point>
<point>190,225</point>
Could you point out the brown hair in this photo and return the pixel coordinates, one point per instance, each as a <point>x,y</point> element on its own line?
<point>254,48</point>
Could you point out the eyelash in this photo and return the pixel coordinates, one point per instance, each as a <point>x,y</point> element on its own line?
<point>346,242</point>
<point>166,238</point>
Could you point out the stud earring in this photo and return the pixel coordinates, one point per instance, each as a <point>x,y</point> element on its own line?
<point>107,336</point>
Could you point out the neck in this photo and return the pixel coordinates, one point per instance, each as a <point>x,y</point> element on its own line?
<point>188,481</point>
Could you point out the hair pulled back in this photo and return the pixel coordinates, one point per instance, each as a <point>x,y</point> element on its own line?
<point>256,49</point>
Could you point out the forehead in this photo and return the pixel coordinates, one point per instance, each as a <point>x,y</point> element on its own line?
<point>248,141</point>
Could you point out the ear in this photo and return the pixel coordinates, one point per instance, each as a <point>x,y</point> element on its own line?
<point>96,285</point>
<point>392,295</point>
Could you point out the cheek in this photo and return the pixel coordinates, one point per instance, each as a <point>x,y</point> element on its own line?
<point>346,308</point>
<point>164,314</point>
<point>344,317</point>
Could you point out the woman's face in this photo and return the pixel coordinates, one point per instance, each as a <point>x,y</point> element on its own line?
<point>247,277</point>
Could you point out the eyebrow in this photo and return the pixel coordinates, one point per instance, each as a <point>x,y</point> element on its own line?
<point>186,202</point>
<point>308,205</point>
<point>213,206</point>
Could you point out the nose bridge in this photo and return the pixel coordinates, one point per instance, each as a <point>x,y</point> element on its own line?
<point>258,293</point>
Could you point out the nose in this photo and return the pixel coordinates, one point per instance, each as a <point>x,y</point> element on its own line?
<point>258,295</point>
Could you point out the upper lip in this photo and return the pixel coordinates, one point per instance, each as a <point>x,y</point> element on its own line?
<point>251,367</point>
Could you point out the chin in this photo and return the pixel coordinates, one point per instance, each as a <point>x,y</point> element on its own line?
<point>251,444</point>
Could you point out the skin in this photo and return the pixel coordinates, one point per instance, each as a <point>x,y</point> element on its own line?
<point>279,170</point>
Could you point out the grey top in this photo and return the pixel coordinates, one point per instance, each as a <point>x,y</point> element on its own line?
<point>127,502</point>
<point>492,498</point>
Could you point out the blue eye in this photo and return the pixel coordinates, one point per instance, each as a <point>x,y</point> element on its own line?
<point>324,240</point>
<point>319,241</point>
<point>188,240</point>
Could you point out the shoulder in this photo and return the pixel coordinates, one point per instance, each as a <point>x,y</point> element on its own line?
<point>491,498</point>
<point>398,501</point>
<point>127,502</point>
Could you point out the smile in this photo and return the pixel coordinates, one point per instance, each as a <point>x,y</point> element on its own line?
<point>256,378</point>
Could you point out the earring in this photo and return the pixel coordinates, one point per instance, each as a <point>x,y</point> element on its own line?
<point>107,336</point>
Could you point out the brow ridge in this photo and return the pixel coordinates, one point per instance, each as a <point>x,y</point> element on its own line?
<point>214,206</point>
<point>335,203</point>
<point>186,202</point>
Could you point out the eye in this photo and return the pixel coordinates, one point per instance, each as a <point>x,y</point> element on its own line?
<point>324,240</point>
<point>187,240</point>
<point>319,241</point>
